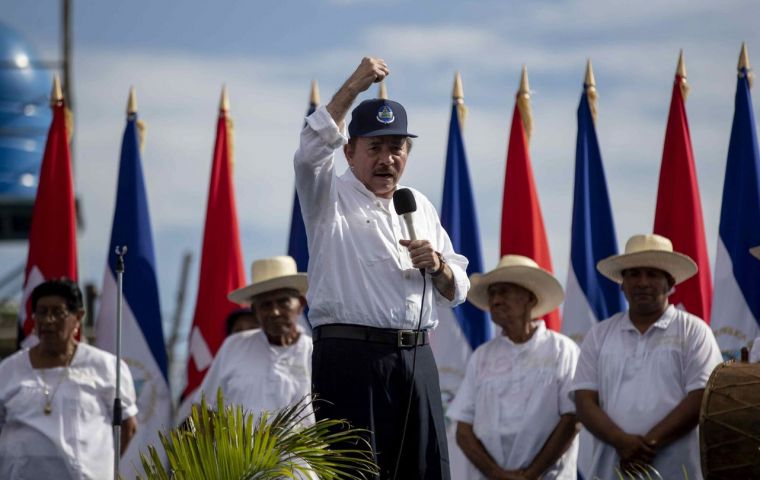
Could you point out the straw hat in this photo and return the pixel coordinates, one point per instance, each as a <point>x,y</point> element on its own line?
<point>755,251</point>
<point>270,274</point>
<point>652,251</point>
<point>521,271</point>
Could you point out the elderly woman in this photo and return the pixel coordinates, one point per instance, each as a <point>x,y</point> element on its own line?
<point>56,398</point>
<point>516,417</point>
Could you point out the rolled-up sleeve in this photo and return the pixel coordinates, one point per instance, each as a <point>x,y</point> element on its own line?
<point>128,394</point>
<point>702,356</point>
<point>457,263</point>
<point>314,162</point>
<point>567,369</point>
<point>586,374</point>
<point>462,408</point>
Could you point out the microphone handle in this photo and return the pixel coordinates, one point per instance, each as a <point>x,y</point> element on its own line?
<point>410,226</point>
<point>412,233</point>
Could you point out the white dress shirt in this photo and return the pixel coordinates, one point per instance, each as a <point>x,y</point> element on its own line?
<point>641,378</point>
<point>358,271</point>
<point>258,375</point>
<point>76,440</point>
<point>513,395</point>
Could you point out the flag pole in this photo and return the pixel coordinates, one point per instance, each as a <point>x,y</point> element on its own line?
<point>117,413</point>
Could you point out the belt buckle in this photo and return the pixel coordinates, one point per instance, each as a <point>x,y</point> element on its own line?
<point>402,333</point>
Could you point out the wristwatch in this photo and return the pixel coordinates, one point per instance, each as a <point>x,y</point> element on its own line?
<point>442,266</point>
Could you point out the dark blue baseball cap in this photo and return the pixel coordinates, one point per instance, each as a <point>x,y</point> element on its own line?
<point>377,117</point>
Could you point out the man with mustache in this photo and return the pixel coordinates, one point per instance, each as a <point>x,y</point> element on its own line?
<point>641,373</point>
<point>367,297</point>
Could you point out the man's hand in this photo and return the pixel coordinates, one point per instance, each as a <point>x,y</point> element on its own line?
<point>512,475</point>
<point>633,449</point>
<point>423,255</point>
<point>369,71</point>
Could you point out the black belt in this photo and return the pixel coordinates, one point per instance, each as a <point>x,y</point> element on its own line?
<point>390,336</point>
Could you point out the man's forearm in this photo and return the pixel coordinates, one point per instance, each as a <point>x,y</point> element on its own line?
<point>680,421</point>
<point>128,430</point>
<point>556,445</point>
<point>445,283</point>
<point>594,418</point>
<point>342,101</point>
<point>475,451</point>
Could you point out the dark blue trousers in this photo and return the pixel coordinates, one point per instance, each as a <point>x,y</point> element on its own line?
<point>368,385</point>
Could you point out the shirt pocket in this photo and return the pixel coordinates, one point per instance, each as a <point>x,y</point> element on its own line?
<point>370,238</point>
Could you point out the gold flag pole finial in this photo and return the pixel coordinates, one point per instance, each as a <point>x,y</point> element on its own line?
<point>224,109</point>
<point>132,101</point>
<point>132,110</point>
<point>56,99</point>
<point>382,92</point>
<point>56,94</point>
<point>681,73</point>
<point>744,67</point>
<point>224,101</point>
<point>457,96</point>
<point>314,95</point>
<point>589,84</point>
<point>458,93</point>
<point>523,103</point>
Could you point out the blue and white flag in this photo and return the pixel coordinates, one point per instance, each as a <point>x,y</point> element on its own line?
<point>142,338</point>
<point>736,295</point>
<point>589,297</point>
<point>461,329</point>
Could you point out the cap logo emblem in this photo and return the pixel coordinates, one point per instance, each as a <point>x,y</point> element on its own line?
<point>385,115</point>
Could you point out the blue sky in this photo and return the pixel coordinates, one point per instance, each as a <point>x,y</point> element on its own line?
<point>178,55</point>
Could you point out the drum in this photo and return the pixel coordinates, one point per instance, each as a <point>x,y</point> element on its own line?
<point>729,423</point>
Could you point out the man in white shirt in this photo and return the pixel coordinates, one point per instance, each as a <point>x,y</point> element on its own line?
<point>641,374</point>
<point>269,368</point>
<point>514,412</point>
<point>367,297</point>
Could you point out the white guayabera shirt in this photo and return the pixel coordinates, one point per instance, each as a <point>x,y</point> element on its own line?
<point>513,395</point>
<point>358,272</point>
<point>640,378</point>
<point>76,440</point>
<point>258,375</point>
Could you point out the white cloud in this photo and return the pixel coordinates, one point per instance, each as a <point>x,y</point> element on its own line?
<point>634,63</point>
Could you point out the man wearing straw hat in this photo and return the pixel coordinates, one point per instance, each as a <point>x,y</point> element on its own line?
<point>516,418</point>
<point>641,374</point>
<point>370,308</point>
<point>267,368</point>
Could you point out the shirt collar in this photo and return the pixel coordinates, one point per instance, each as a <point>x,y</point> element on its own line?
<point>661,323</point>
<point>540,331</point>
<point>357,185</point>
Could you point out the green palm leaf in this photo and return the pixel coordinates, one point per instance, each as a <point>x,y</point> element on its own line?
<point>231,444</point>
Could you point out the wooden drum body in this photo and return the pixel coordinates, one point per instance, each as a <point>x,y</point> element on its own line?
<point>729,423</point>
